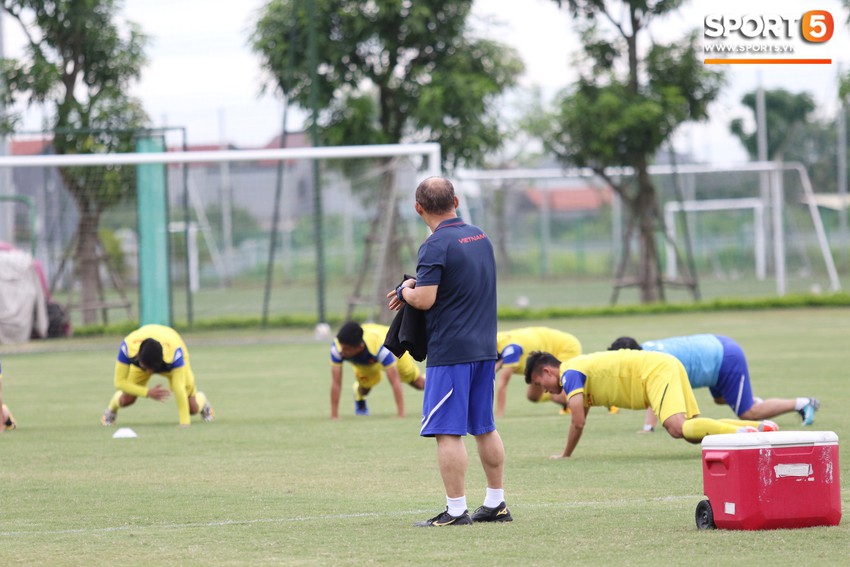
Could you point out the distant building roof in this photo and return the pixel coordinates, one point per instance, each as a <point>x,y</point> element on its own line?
<point>31,147</point>
<point>293,140</point>
<point>574,199</point>
<point>203,148</point>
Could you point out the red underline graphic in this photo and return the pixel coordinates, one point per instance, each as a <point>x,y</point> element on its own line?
<point>768,61</point>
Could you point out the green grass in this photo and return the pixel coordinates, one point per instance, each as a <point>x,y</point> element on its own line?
<point>274,481</point>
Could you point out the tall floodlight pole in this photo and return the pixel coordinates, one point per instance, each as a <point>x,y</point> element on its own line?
<point>313,62</point>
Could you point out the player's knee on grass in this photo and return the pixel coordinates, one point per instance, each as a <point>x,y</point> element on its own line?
<point>126,400</point>
<point>673,425</point>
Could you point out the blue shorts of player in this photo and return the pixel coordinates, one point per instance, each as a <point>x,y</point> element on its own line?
<point>459,399</point>
<point>733,381</point>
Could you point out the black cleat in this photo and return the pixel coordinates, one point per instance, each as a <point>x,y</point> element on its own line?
<point>446,519</point>
<point>498,514</point>
<point>360,407</point>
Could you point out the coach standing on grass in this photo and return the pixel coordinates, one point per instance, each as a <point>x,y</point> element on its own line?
<point>455,285</point>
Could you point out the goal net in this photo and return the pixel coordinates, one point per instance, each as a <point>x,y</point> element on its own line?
<point>297,233</point>
<point>743,231</point>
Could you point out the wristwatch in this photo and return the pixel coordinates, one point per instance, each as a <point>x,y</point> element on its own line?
<point>398,292</point>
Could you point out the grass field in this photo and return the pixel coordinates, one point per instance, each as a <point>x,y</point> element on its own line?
<point>274,481</point>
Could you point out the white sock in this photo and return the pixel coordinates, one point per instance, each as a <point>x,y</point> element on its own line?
<point>495,496</point>
<point>801,403</point>
<point>456,506</point>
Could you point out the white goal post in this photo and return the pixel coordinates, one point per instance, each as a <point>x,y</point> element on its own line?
<point>773,170</point>
<point>757,205</point>
<point>429,152</point>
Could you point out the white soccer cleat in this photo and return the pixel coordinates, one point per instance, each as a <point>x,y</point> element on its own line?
<point>207,412</point>
<point>108,418</point>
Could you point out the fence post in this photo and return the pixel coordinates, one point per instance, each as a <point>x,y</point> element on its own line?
<point>154,276</point>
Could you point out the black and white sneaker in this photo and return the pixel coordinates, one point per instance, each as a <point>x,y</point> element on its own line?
<point>498,514</point>
<point>446,519</point>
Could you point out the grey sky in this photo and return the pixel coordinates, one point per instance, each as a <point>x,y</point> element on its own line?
<point>202,75</point>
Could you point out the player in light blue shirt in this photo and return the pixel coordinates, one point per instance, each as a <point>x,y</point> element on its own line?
<point>718,363</point>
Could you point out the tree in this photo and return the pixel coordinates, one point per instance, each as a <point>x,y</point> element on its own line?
<point>626,104</point>
<point>785,114</point>
<point>390,71</point>
<point>81,61</point>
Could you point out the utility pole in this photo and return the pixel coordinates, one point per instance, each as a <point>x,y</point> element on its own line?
<point>841,129</point>
<point>7,208</point>
<point>313,62</point>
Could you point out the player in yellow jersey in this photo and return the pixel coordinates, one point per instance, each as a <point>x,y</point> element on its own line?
<point>514,346</point>
<point>633,379</point>
<point>8,420</point>
<point>363,346</point>
<point>149,350</point>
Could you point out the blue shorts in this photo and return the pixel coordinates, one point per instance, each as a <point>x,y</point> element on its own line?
<point>459,399</point>
<point>733,381</point>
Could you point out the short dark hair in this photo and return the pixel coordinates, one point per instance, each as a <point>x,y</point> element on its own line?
<point>625,343</point>
<point>536,361</point>
<point>351,333</point>
<point>436,195</point>
<point>150,354</point>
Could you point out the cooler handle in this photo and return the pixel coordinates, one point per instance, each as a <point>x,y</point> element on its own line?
<point>721,457</point>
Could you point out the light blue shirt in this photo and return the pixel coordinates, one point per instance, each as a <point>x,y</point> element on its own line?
<point>701,355</point>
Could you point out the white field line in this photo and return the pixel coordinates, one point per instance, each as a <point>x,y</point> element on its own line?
<point>694,499</point>
<point>325,517</point>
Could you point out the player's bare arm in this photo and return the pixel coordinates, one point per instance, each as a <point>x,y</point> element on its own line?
<point>578,417</point>
<point>336,388</point>
<point>395,382</point>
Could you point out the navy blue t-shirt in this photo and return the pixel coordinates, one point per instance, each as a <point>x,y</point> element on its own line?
<point>461,325</point>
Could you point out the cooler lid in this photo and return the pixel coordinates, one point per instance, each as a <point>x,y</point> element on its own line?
<point>769,439</point>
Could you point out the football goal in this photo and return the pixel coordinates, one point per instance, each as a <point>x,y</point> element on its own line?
<point>212,234</point>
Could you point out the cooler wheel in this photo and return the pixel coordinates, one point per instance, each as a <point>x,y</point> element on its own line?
<point>704,516</point>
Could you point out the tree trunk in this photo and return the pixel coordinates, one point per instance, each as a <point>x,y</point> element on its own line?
<point>87,263</point>
<point>645,211</point>
<point>390,276</point>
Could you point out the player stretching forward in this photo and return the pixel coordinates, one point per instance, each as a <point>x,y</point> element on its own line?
<point>149,350</point>
<point>363,346</point>
<point>629,379</point>
<point>514,346</point>
<point>719,363</point>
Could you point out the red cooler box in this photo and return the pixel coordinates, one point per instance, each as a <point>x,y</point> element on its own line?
<point>762,481</point>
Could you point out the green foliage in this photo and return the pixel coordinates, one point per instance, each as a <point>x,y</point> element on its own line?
<point>112,249</point>
<point>785,114</point>
<point>81,62</point>
<point>390,71</point>
<point>626,105</point>
<point>609,120</point>
<point>715,305</point>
